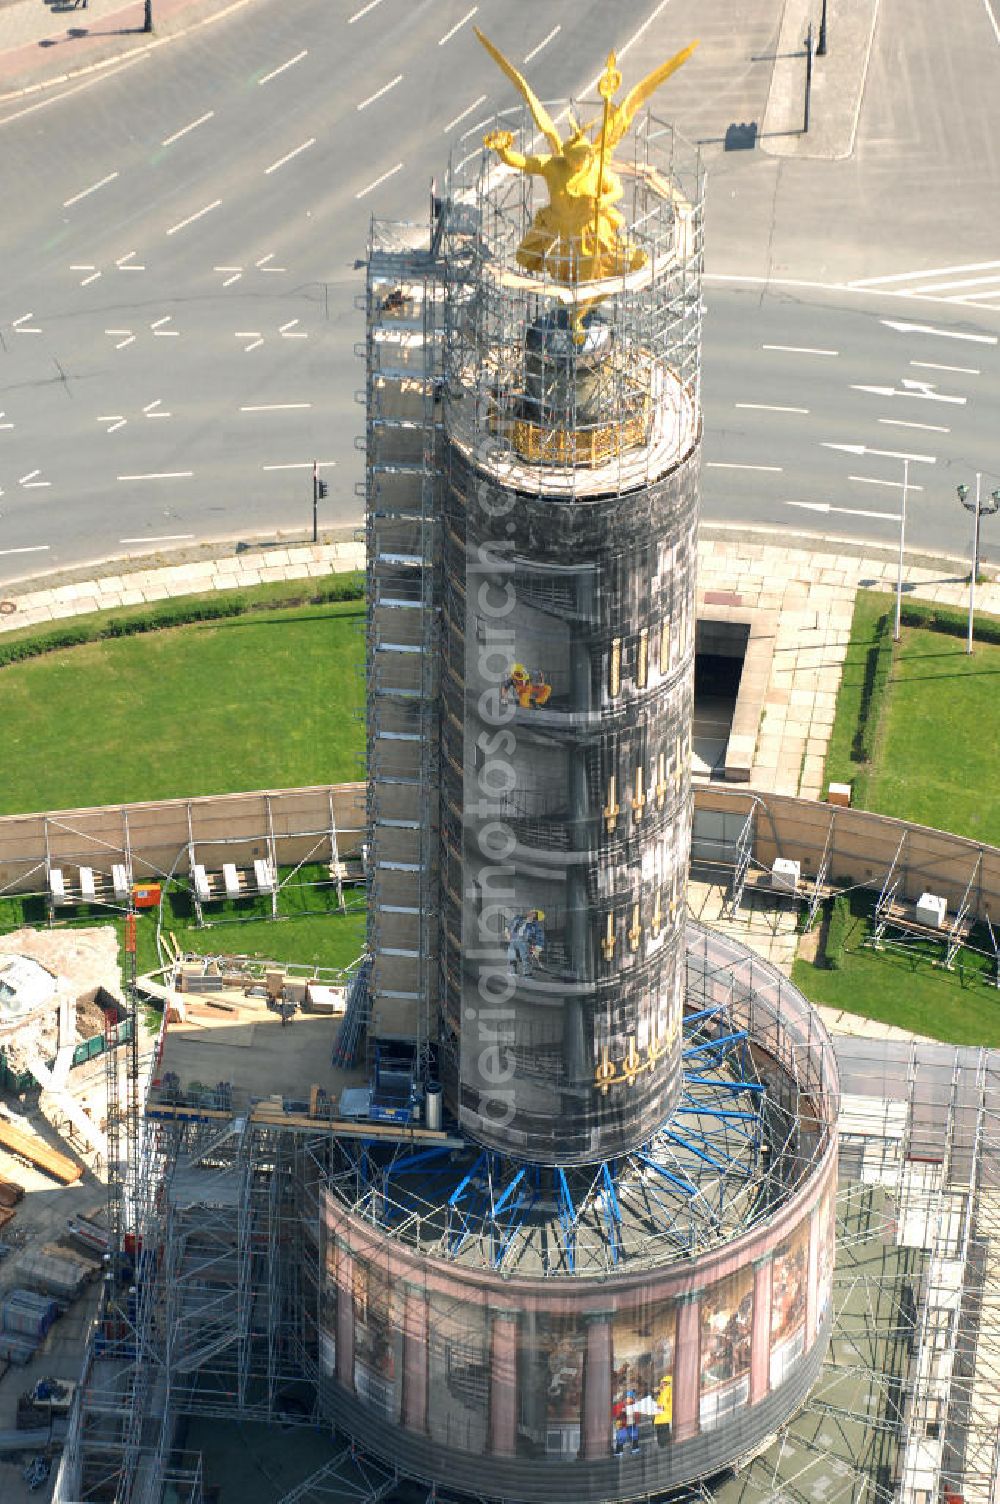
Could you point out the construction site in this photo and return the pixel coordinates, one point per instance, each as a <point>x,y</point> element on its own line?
<point>558,1193</point>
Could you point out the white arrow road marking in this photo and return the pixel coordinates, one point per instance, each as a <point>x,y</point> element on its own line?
<point>921,389</point>
<point>285,330</point>
<point>889,454</point>
<point>158,330</point>
<point>123,263</point>
<point>86,266</point>
<point>150,412</point>
<point>129,337</point>
<point>251,334</point>
<point>262,265</point>
<point>825,508</point>
<point>30,482</point>
<point>905,328</point>
<point>115,419</point>
<point>29,329</point>
<point>236,273</point>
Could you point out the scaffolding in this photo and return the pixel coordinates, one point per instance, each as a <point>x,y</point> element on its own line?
<point>404,306</point>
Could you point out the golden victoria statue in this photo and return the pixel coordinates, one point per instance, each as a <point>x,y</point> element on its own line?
<point>577,236</point>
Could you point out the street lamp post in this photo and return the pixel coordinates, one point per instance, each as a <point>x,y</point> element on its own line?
<point>147,20</point>
<point>821,49</point>
<point>902,545</point>
<point>979,509</point>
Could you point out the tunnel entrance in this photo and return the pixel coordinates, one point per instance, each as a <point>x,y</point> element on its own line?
<point>720,652</point>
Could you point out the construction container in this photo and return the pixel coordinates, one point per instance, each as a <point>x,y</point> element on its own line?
<point>15,1349</point>
<point>10,1193</point>
<point>27,1314</point>
<point>63,1278</point>
<point>146,895</point>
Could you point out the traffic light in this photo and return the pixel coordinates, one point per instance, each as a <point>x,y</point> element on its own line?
<point>321,489</point>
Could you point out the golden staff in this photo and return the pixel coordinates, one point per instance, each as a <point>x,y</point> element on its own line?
<point>610,83</point>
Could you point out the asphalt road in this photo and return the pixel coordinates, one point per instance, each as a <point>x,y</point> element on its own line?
<point>178,313</point>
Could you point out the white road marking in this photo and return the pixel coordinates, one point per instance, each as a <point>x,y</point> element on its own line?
<point>543,43</point>
<point>378,181</point>
<point>160,333</point>
<point>363,11</point>
<point>302,465</point>
<point>37,548</point>
<point>115,419</point>
<point>185,128</point>
<point>379,92</point>
<point>904,423</point>
<point>237,272</point>
<point>163,537</point>
<point>254,344</point>
<point>274,407</point>
<point>930,365</point>
<point>160,475</point>
<point>727,465</point>
<point>288,331</point>
<point>149,410</point>
<point>183,223</point>
<point>129,338</point>
<point>988,283</point>
<point>993,19</point>
<point>458,26</point>
<point>922,392</point>
<point>474,106</point>
<point>86,266</point>
<point>67,202</point>
<point>825,508</point>
<point>30,481</point>
<point>799,350</point>
<point>934,271</point>
<point>289,155</point>
<point>904,328</point>
<point>30,329</point>
<point>889,454</point>
<point>122,263</point>
<point>871,480</point>
<point>262,265</point>
<point>5,425</point>
<point>291,62</point>
<point>766,407</point>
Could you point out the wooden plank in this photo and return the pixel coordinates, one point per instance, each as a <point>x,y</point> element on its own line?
<point>37,1153</point>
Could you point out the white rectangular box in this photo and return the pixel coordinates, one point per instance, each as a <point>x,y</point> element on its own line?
<point>202,891</point>
<point>87,890</point>
<point>264,875</point>
<point>57,887</point>
<point>119,882</point>
<point>231,880</point>
<point>786,873</point>
<point>931,909</point>
<point>839,793</point>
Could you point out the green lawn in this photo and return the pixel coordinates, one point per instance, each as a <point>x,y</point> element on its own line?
<point>936,752</point>
<point>264,700</point>
<point>902,985</point>
<point>938,724</point>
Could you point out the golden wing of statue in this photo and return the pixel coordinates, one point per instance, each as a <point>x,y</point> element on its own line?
<point>622,115</point>
<point>540,114</point>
